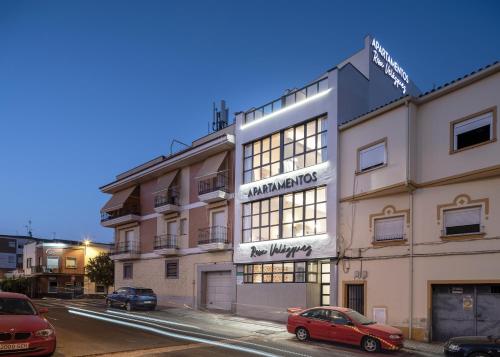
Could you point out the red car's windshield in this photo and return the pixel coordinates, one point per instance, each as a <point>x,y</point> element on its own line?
<point>360,319</point>
<point>10,306</point>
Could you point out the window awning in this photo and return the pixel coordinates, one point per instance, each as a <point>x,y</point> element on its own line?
<point>164,182</point>
<point>212,165</point>
<point>118,200</point>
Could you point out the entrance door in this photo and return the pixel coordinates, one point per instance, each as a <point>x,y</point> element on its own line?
<point>355,297</point>
<point>465,310</point>
<point>325,283</point>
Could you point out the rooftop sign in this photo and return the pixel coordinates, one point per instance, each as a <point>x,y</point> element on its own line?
<point>391,68</point>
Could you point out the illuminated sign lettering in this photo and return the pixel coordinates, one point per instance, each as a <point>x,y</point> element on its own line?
<point>283,184</point>
<point>391,68</point>
<point>288,250</point>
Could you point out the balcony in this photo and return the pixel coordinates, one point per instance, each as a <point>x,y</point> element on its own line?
<point>46,269</point>
<point>125,250</point>
<point>287,100</point>
<point>120,216</point>
<point>215,188</point>
<point>214,238</point>
<point>166,244</point>
<point>167,202</point>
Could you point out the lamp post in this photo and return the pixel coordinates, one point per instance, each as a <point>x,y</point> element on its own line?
<point>86,243</point>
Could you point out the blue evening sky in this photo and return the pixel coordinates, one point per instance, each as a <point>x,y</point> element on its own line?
<point>89,89</point>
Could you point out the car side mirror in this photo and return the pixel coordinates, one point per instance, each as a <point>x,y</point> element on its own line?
<point>43,310</point>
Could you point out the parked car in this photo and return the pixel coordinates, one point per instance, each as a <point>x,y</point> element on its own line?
<point>132,298</point>
<point>343,325</point>
<point>473,346</point>
<point>24,331</point>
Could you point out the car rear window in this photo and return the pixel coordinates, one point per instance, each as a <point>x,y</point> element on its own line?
<point>144,292</point>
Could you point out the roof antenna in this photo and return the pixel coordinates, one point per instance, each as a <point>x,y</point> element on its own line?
<point>178,142</point>
<point>220,116</point>
<point>29,230</point>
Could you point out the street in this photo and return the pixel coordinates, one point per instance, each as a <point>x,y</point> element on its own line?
<point>86,327</point>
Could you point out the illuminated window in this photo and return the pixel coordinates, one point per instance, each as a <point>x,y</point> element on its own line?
<point>288,272</point>
<point>293,215</point>
<point>291,149</point>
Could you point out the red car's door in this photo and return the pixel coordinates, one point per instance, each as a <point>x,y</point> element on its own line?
<point>317,322</point>
<point>342,331</point>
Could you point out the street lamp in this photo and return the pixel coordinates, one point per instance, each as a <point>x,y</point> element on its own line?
<point>86,243</point>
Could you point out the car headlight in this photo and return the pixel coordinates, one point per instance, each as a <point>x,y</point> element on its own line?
<point>394,337</point>
<point>44,333</point>
<point>453,347</point>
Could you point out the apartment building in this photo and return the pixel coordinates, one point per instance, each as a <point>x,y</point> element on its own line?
<point>173,223</point>
<point>11,253</point>
<point>286,183</point>
<point>57,268</point>
<point>419,193</point>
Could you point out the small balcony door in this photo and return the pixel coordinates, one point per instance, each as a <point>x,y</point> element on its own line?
<point>172,228</point>
<point>129,240</point>
<point>218,224</point>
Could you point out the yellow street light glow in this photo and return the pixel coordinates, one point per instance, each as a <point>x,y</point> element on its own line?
<point>285,109</point>
<point>87,241</point>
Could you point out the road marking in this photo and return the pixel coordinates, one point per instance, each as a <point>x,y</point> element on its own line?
<point>130,318</point>
<point>152,319</point>
<point>142,352</point>
<point>176,335</point>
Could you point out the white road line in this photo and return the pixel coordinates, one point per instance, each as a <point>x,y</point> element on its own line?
<point>131,318</point>
<point>178,336</point>
<point>152,319</point>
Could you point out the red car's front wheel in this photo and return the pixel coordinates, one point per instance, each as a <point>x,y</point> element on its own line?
<point>370,344</point>
<point>302,334</point>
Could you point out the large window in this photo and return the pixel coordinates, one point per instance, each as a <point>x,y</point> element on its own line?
<point>290,149</point>
<point>462,221</point>
<point>292,215</point>
<point>283,272</point>
<point>473,131</point>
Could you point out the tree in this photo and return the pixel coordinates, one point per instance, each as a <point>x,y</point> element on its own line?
<point>101,270</point>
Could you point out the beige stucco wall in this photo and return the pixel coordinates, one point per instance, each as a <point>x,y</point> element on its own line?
<point>150,273</point>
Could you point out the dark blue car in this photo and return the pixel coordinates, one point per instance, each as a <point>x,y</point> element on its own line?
<point>132,298</point>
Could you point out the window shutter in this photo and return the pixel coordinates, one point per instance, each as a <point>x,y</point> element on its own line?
<point>389,228</point>
<point>473,123</point>
<point>462,217</point>
<point>372,156</point>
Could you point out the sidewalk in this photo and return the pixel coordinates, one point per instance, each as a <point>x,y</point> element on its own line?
<point>431,348</point>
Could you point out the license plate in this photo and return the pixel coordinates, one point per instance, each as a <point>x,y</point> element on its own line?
<point>148,302</point>
<point>14,346</point>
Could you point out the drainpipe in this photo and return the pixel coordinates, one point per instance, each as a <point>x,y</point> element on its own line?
<point>410,238</point>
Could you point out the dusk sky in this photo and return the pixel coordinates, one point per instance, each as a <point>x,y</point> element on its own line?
<point>89,89</point>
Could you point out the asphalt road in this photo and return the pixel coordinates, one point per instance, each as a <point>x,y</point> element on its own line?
<point>87,328</point>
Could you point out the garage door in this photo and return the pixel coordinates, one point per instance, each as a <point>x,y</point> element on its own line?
<point>465,310</point>
<point>219,290</point>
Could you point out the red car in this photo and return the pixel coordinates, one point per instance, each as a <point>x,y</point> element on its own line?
<point>343,325</point>
<point>24,331</point>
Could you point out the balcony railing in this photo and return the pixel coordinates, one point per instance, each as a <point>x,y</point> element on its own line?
<point>46,269</point>
<point>130,247</point>
<point>170,197</point>
<point>166,241</point>
<point>214,234</point>
<point>106,216</point>
<point>220,182</point>
<point>287,100</point>
<point>390,237</point>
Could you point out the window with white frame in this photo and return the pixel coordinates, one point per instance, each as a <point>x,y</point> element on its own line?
<point>53,262</point>
<point>389,229</point>
<point>473,131</point>
<point>291,149</point>
<point>372,156</point>
<point>70,262</point>
<point>462,221</point>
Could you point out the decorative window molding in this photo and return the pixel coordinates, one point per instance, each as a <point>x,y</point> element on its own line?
<point>390,211</point>
<point>463,200</point>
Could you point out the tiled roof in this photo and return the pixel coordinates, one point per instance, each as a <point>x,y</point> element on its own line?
<point>425,93</point>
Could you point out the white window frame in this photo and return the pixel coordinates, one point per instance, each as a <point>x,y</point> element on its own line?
<point>395,236</point>
<point>368,148</point>
<point>462,210</point>
<point>489,115</point>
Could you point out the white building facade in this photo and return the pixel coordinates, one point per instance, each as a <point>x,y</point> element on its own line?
<point>286,185</point>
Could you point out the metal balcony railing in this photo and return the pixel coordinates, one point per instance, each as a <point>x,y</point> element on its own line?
<point>219,182</point>
<point>130,247</point>
<point>170,197</point>
<point>390,237</point>
<point>106,216</point>
<point>166,241</point>
<point>214,234</point>
<point>287,100</point>
<point>46,269</point>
